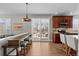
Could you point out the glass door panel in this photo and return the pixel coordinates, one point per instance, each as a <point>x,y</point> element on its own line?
<point>40,29</point>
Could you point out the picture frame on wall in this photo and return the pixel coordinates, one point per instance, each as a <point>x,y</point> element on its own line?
<point>18,26</point>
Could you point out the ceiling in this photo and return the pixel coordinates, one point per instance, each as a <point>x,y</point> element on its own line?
<point>37,8</point>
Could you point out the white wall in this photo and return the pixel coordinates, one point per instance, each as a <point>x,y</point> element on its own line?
<point>9,22</point>
<point>16,20</point>
<point>75,22</point>
<point>5,24</point>
<point>26,25</point>
<point>76,18</point>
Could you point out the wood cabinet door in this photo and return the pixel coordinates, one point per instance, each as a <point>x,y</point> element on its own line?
<point>69,21</point>
<point>56,21</point>
<point>56,38</point>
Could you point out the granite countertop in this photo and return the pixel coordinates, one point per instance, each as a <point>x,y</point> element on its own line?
<point>68,32</point>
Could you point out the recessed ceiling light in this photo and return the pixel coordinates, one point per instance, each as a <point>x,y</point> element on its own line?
<point>71,13</point>
<point>56,13</point>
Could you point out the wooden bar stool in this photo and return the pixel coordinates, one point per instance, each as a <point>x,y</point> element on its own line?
<point>30,39</point>
<point>72,43</point>
<point>27,40</point>
<point>64,43</point>
<point>23,46</point>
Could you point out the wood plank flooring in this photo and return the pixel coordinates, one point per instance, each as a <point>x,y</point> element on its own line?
<point>45,49</point>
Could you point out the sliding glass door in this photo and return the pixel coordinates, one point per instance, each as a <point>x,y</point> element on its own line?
<point>40,28</point>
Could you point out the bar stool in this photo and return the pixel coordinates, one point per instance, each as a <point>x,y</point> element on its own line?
<point>29,41</point>
<point>64,43</point>
<point>23,46</point>
<point>72,43</point>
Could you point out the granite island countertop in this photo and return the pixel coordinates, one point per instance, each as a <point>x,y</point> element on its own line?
<point>68,32</point>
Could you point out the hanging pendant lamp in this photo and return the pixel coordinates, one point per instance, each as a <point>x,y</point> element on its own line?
<point>27,18</point>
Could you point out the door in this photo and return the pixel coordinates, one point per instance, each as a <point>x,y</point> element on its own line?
<point>40,29</point>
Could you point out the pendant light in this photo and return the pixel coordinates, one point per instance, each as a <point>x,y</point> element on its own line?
<point>27,18</point>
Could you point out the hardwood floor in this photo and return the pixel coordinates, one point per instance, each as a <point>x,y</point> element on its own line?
<point>45,49</point>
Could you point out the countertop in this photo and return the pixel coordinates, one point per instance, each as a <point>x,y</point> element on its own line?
<point>68,32</point>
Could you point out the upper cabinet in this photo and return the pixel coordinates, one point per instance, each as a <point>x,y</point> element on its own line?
<point>62,21</point>
<point>69,21</point>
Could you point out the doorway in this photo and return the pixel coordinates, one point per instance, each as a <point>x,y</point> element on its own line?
<point>40,29</point>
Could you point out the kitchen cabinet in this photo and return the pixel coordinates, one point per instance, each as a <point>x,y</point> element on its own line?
<point>69,21</point>
<point>56,38</point>
<point>57,21</point>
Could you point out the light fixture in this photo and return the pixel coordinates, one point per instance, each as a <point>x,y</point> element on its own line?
<point>71,13</point>
<point>56,13</point>
<point>27,18</point>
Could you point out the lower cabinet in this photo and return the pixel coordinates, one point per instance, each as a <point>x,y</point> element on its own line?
<point>56,38</point>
